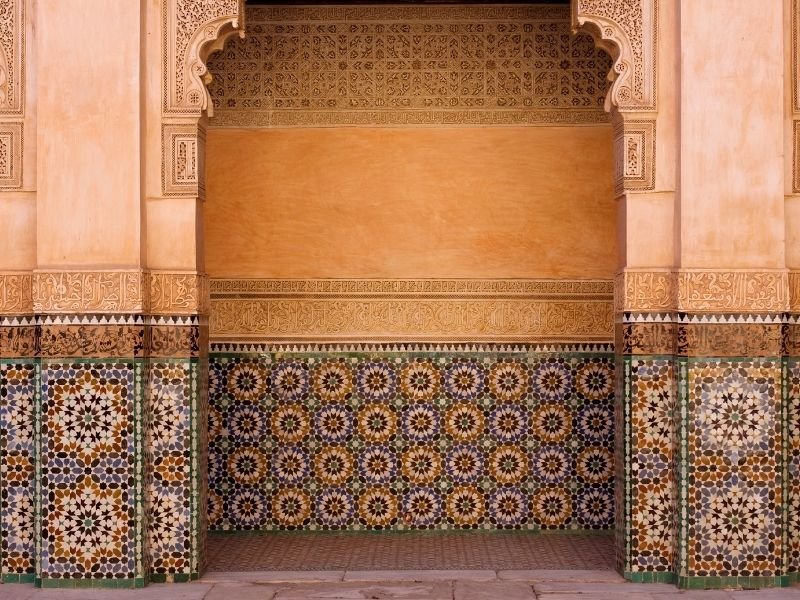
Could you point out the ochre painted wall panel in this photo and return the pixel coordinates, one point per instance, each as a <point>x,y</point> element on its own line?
<point>508,202</point>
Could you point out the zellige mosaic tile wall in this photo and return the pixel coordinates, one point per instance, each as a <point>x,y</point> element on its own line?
<point>392,439</point>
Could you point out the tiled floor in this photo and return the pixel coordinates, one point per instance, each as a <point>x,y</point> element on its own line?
<point>409,551</point>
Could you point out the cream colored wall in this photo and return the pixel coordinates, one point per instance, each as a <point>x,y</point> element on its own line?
<point>89,122</point>
<point>495,202</point>
<point>732,134</point>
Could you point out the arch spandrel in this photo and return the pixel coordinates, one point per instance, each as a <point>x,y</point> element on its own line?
<point>193,29</point>
<point>627,30</point>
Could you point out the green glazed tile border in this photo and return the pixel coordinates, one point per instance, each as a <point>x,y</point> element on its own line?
<point>174,577</point>
<point>713,583</point>
<point>113,584</point>
<point>18,578</point>
<point>651,577</point>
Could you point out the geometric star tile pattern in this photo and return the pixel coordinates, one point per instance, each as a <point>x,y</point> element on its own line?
<point>792,391</point>
<point>169,489</point>
<point>732,465</point>
<point>650,448</point>
<point>17,394</point>
<point>344,441</point>
<point>91,497</point>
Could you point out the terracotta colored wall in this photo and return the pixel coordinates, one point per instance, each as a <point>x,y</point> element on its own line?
<point>512,202</point>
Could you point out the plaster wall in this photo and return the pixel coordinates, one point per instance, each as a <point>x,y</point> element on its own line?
<point>731,141</point>
<point>89,147</point>
<point>516,202</point>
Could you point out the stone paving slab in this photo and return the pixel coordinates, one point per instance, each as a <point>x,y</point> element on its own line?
<point>439,590</point>
<point>500,590</point>
<point>578,587</point>
<point>481,575</point>
<point>242,591</point>
<point>273,576</point>
<point>556,575</point>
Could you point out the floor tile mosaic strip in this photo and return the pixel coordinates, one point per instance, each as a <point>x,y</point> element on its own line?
<point>415,441</point>
<point>17,466</point>
<point>328,551</point>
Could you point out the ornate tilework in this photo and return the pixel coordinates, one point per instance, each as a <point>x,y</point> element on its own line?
<point>91,505</point>
<point>17,394</point>
<point>649,469</point>
<point>732,462</point>
<point>792,401</point>
<point>169,491</point>
<point>440,440</point>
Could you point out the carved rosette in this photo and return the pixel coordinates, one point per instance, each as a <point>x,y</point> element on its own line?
<point>178,293</point>
<point>193,29</point>
<point>627,30</point>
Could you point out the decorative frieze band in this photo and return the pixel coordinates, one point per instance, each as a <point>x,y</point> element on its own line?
<point>794,291</point>
<point>89,292</point>
<point>703,291</point>
<point>645,291</point>
<point>120,292</point>
<point>16,293</point>
<point>178,293</point>
<point>733,291</point>
<point>411,310</point>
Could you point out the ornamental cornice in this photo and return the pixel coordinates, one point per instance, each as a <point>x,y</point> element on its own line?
<point>627,30</point>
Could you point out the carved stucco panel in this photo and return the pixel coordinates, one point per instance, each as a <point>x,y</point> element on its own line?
<point>627,29</point>
<point>704,291</point>
<point>12,59</point>
<point>193,29</point>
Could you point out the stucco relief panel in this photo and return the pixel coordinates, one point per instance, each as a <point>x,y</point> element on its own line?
<point>188,25</point>
<point>12,60</point>
<point>410,65</point>
<point>411,310</point>
<point>629,29</point>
